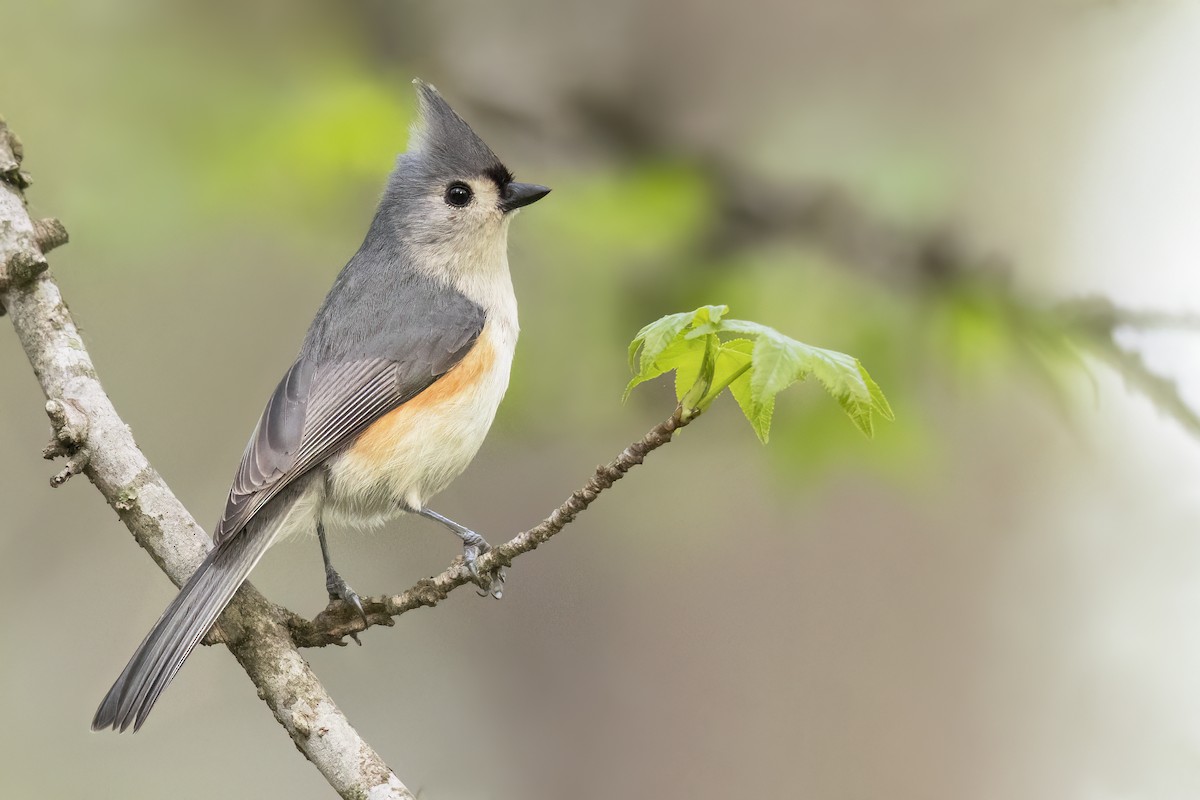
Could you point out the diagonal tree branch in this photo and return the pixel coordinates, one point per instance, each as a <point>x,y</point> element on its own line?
<point>98,444</point>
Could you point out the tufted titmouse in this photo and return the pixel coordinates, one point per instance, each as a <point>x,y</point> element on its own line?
<point>395,387</point>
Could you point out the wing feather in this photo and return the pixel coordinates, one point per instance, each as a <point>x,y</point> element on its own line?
<point>319,408</point>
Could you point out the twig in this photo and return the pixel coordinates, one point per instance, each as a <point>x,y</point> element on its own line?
<point>340,620</point>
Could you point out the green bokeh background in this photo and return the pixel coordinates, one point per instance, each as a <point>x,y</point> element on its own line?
<point>992,599</point>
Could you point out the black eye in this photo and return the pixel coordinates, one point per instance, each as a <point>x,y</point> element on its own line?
<point>458,194</point>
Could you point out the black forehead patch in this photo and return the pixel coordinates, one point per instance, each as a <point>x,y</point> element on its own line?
<point>500,174</point>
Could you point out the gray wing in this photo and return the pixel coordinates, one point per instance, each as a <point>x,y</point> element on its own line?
<point>318,408</point>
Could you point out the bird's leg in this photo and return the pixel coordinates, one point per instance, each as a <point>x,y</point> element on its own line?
<point>474,546</point>
<point>338,588</point>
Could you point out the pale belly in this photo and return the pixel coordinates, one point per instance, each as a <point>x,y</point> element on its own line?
<point>414,452</point>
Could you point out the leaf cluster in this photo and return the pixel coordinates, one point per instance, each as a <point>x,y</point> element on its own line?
<point>710,354</point>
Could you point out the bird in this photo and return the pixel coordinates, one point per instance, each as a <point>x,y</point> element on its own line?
<point>395,386</point>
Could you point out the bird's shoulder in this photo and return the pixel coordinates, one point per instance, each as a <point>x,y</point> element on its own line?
<point>381,309</point>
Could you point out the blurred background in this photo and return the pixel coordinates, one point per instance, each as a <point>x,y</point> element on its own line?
<point>995,598</point>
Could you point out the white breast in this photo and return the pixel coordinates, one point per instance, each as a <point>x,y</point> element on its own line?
<point>417,450</point>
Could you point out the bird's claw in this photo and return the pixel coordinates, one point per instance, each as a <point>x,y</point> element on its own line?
<point>340,590</point>
<point>495,584</point>
<point>471,554</point>
<point>491,584</point>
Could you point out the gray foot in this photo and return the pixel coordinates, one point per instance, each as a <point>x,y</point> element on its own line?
<point>340,590</point>
<point>474,546</point>
<point>490,584</point>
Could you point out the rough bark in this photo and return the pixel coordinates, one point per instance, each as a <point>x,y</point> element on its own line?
<point>97,443</point>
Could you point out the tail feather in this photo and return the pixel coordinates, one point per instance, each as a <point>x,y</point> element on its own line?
<point>182,625</point>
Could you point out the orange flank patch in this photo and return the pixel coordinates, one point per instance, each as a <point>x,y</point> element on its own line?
<point>377,443</point>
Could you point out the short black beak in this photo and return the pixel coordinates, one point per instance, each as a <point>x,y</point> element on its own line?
<point>517,195</point>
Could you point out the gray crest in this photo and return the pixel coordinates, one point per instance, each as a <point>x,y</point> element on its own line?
<point>444,140</point>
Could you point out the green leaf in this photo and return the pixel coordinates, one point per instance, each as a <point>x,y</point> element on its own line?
<point>656,337</point>
<point>687,367</point>
<point>777,365</point>
<point>878,401</point>
<point>663,346</point>
<point>754,369</point>
<point>732,362</point>
<point>748,328</point>
<point>703,379</point>
<point>757,414</point>
<point>780,361</point>
<point>733,358</point>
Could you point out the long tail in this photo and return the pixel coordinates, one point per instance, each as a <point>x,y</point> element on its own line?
<point>183,624</point>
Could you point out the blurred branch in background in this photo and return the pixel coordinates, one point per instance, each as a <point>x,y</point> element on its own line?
<point>752,213</point>
<point>1096,324</point>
